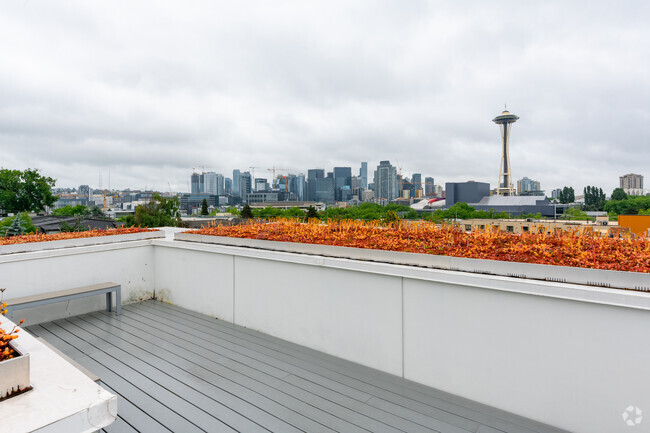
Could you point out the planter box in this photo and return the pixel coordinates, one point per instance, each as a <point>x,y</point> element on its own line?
<point>78,242</point>
<point>560,274</point>
<point>14,372</point>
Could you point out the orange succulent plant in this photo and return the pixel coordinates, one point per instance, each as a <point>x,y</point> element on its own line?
<point>561,249</point>
<point>69,235</point>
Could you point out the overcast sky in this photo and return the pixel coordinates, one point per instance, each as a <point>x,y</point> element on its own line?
<point>148,90</point>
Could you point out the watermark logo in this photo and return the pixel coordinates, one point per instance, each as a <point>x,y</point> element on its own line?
<point>632,416</point>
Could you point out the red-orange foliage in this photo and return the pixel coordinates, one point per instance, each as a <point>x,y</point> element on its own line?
<point>69,235</point>
<point>6,352</point>
<point>561,249</point>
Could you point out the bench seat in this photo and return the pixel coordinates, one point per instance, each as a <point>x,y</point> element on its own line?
<point>65,295</point>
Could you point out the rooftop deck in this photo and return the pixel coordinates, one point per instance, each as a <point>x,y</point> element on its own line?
<point>176,370</point>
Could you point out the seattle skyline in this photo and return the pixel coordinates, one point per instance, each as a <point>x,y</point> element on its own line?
<point>153,89</point>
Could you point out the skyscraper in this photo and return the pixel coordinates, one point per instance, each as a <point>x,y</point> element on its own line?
<point>220,186</point>
<point>210,185</point>
<point>363,174</point>
<point>227,186</point>
<point>428,185</point>
<point>505,121</point>
<point>196,183</point>
<point>235,182</point>
<point>342,178</point>
<point>312,176</point>
<point>385,181</point>
<point>416,180</point>
<point>245,184</point>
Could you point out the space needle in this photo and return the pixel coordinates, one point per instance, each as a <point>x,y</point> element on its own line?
<point>505,121</point>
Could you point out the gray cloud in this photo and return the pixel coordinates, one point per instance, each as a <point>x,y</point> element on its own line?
<point>152,89</point>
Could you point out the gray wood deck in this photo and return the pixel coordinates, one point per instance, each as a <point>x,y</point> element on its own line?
<point>221,377</point>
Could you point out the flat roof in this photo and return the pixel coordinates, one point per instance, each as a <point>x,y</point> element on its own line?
<point>177,370</point>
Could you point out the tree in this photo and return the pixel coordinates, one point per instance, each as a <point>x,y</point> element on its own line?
<point>594,198</point>
<point>619,194</point>
<point>246,212</point>
<point>567,195</point>
<point>312,213</point>
<point>25,191</point>
<point>204,207</point>
<point>159,212</point>
<point>17,225</point>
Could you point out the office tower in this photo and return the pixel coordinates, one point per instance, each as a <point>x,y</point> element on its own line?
<point>325,189</point>
<point>261,184</point>
<point>416,180</point>
<point>297,185</point>
<point>196,183</point>
<point>505,121</point>
<point>312,176</point>
<point>385,181</point>
<point>363,174</point>
<point>227,186</point>
<point>235,182</point>
<point>428,185</point>
<point>342,178</point>
<point>210,185</point>
<point>245,184</point>
<point>220,186</point>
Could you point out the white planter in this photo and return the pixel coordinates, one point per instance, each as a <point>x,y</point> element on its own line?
<point>14,372</point>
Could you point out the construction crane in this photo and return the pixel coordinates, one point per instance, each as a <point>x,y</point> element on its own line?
<point>253,170</point>
<point>273,171</point>
<point>113,196</point>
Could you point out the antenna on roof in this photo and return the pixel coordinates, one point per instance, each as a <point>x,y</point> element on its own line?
<point>505,107</point>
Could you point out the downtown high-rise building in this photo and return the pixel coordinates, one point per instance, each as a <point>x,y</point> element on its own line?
<point>196,186</point>
<point>416,180</point>
<point>342,179</point>
<point>312,178</point>
<point>428,186</point>
<point>210,183</point>
<point>363,175</point>
<point>386,181</point>
<point>236,173</point>
<point>221,190</point>
<point>245,184</point>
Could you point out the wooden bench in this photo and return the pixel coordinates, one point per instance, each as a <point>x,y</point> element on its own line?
<point>65,295</point>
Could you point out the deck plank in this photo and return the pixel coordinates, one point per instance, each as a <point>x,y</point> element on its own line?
<point>400,392</point>
<point>177,370</point>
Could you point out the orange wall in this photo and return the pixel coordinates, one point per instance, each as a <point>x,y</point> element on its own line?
<point>638,224</point>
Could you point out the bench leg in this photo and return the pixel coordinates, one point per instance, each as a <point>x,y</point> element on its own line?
<point>109,301</point>
<point>118,301</point>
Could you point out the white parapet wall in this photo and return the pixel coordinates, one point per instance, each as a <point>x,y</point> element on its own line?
<point>40,267</point>
<point>570,355</point>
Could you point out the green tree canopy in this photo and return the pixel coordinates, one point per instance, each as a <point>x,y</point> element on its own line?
<point>204,207</point>
<point>159,212</point>
<point>80,211</point>
<point>594,198</point>
<point>25,191</point>
<point>619,194</point>
<point>19,224</point>
<point>312,213</point>
<point>567,195</point>
<point>630,206</point>
<point>246,212</point>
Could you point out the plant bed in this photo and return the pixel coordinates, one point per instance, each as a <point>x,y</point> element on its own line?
<point>561,258</point>
<point>28,243</point>
<point>14,375</point>
<point>564,249</point>
<point>14,360</point>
